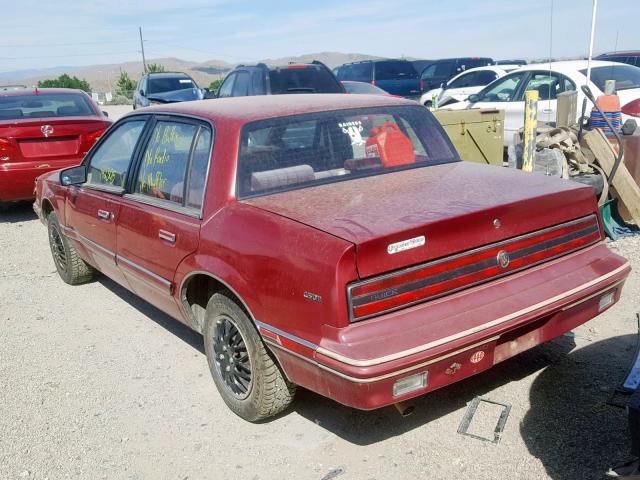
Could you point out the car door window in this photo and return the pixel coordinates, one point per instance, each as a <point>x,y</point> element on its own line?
<point>227,86</point>
<point>109,164</point>
<point>241,85</point>
<point>484,77</point>
<point>462,81</point>
<point>164,164</point>
<point>257,83</point>
<point>549,84</point>
<point>198,171</point>
<point>504,90</point>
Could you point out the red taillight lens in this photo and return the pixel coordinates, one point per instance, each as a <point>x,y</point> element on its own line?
<point>421,84</point>
<point>434,279</point>
<point>373,82</point>
<point>91,138</point>
<point>296,66</point>
<point>632,108</point>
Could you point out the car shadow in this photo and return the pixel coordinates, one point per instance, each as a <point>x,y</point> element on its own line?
<point>180,330</point>
<point>365,428</point>
<point>17,212</point>
<point>569,426</point>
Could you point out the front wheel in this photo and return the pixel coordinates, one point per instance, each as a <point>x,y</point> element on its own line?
<point>71,268</point>
<point>248,379</point>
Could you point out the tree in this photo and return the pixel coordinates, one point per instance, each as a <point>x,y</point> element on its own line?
<point>125,86</point>
<point>65,81</point>
<point>215,85</point>
<point>155,68</point>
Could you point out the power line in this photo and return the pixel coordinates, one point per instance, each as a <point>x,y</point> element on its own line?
<point>45,45</point>
<point>67,56</point>
<point>198,50</point>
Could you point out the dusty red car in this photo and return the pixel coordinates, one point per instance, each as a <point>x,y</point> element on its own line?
<point>335,242</point>
<point>42,130</point>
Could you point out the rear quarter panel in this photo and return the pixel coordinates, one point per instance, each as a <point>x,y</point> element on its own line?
<point>270,262</point>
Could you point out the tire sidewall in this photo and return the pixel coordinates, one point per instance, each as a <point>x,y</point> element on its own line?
<point>52,223</point>
<point>248,407</point>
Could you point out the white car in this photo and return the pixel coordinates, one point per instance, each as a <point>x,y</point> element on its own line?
<point>464,84</point>
<point>550,79</point>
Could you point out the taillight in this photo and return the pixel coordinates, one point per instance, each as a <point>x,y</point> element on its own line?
<point>373,82</point>
<point>431,280</point>
<point>632,108</point>
<point>421,84</point>
<point>296,66</point>
<point>91,138</point>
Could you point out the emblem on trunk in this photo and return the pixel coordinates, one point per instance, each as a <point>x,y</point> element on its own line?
<point>405,245</point>
<point>46,130</point>
<point>503,259</point>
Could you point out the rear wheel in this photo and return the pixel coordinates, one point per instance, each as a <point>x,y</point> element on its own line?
<point>248,379</point>
<point>71,268</point>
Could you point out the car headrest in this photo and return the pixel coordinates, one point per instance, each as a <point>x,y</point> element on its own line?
<point>281,177</point>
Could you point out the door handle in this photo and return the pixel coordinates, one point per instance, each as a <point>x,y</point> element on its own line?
<point>547,110</point>
<point>167,236</point>
<point>104,215</point>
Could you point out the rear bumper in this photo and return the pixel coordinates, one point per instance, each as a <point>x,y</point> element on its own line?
<point>18,180</point>
<point>454,337</point>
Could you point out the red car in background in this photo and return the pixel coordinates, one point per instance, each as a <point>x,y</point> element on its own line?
<point>41,130</point>
<point>332,241</point>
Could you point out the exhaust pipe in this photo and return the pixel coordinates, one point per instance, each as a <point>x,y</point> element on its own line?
<point>404,409</point>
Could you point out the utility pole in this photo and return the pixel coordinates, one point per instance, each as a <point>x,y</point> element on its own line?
<point>144,61</point>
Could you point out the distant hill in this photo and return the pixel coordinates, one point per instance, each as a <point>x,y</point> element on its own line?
<point>104,77</point>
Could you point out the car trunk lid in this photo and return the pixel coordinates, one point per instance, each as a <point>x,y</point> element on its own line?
<point>407,218</point>
<point>49,138</point>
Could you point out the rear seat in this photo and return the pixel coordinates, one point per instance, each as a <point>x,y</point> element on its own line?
<point>11,114</point>
<point>42,113</point>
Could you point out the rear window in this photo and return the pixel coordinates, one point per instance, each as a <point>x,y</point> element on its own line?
<point>44,105</point>
<point>626,76</point>
<point>358,72</point>
<point>395,70</point>
<point>303,79</point>
<point>304,150</point>
<point>168,84</point>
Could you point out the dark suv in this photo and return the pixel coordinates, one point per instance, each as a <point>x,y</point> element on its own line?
<point>445,69</point>
<point>397,77</point>
<point>166,87</point>
<point>260,79</point>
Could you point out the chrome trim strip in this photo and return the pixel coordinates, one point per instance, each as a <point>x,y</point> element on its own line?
<point>350,287</point>
<point>140,268</point>
<point>284,334</point>
<point>386,375</point>
<point>470,331</point>
<point>90,243</point>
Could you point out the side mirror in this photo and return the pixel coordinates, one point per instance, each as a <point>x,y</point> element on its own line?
<point>141,92</point>
<point>473,98</point>
<point>105,113</point>
<point>73,175</point>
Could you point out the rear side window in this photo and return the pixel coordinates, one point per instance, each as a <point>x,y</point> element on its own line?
<point>304,150</point>
<point>358,72</point>
<point>44,105</point>
<point>227,86</point>
<point>174,164</point>
<point>109,164</point>
<point>395,70</point>
<point>303,79</point>
<point>626,76</point>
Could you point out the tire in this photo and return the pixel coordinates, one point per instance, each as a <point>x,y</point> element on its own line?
<point>254,388</point>
<point>71,268</point>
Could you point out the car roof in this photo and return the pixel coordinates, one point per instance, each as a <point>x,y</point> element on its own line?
<point>568,65</point>
<point>39,91</point>
<point>621,53</point>
<point>260,107</point>
<point>167,74</point>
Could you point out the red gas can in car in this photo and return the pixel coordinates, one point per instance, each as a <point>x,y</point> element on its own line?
<point>392,146</point>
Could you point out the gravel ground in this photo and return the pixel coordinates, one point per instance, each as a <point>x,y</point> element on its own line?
<point>97,384</point>
<point>116,111</point>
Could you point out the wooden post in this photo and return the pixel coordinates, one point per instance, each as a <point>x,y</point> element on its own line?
<point>530,129</point>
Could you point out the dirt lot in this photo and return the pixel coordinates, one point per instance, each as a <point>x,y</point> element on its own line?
<point>97,384</point>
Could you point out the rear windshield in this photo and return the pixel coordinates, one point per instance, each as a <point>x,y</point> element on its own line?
<point>168,84</point>
<point>362,87</point>
<point>626,76</point>
<point>358,72</point>
<point>304,150</point>
<point>303,79</point>
<point>44,105</point>
<point>395,70</point>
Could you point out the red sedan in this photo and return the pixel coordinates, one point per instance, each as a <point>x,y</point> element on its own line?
<point>335,242</point>
<point>42,130</point>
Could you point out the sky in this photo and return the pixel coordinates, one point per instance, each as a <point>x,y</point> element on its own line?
<point>40,34</point>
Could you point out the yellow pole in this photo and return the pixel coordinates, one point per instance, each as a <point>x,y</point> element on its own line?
<point>530,128</point>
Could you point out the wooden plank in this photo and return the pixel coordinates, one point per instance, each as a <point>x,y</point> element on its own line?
<point>626,189</point>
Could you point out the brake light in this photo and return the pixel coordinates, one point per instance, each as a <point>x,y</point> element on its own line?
<point>421,84</point>
<point>632,108</point>
<point>91,138</point>
<point>434,279</point>
<point>296,66</point>
<point>373,82</point>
